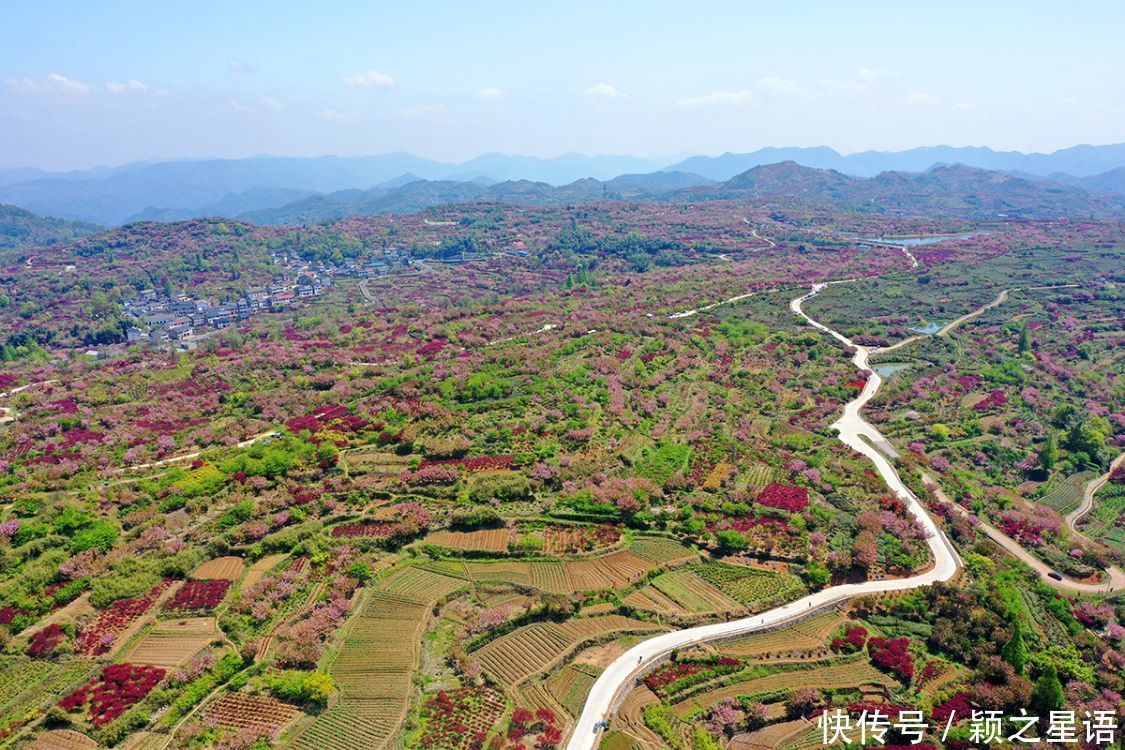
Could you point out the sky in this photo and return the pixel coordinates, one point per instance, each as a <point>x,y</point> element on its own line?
<point>112,82</point>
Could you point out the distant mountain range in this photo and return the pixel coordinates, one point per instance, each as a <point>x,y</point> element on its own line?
<point>1078,161</point>
<point>944,190</point>
<point>173,190</point>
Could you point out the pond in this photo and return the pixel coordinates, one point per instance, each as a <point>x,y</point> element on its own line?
<point>929,328</point>
<point>917,241</point>
<point>886,369</point>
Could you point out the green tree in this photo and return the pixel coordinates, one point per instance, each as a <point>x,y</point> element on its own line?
<point>1049,456</point>
<point>1048,695</point>
<point>1015,650</point>
<point>1025,340</point>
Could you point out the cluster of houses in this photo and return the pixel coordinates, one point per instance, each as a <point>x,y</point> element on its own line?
<point>367,267</point>
<point>164,319</point>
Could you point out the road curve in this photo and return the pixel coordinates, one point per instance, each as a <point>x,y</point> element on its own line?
<point>1092,487</point>
<point>612,685</point>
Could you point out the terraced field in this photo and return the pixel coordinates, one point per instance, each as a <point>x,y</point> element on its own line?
<point>529,650</point>
<point>486,540</point>
<point>171,643</point>
<point>419,585</point>
<point>611,571</point>
<point>570,686</point>
<point>757,589</point>
<point>242,711</point>
<point>1067,494</point>
<point>811,633</point>
<point>258,570</point>
<point>837,674</point>
<point>63,739</point>
<point>26,684</point>
<point>651,599</point>
<point>221,568</point>
<point>692,593</point>
<point>661,551</point>
<point>1106,522</point>
<point>375,665</point>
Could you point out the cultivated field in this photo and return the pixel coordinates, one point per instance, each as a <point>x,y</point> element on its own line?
<point>63,739</point>
<point>1067,494</point>
<point>171,643</point>
<point>221,568</point>
<point>486,540</point>
<point>615,570</point>
<point>258,570</point>
<point>375,665</point>
<point>827,675</point>
<point>529,650</point>
<point>242,711</point>
<point>692,593</point>
<point>661,551</point>
<point>811,633</point>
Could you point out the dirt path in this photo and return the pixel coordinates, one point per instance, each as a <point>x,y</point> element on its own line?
<point>945,330</point>
<point>194,454</point>
<point>1000,299</point>
<point>1116,577</point>
<point>1087,505</point>
<point>8,414</point>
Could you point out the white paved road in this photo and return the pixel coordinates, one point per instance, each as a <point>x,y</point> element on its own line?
<point>619,677</point>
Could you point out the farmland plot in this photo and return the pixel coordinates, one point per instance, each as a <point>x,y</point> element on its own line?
<point>486,540</point>
<point>375,665</point>
<point>807,634</point>
<point>258,570</point>
<point>529,650</point>
<point>661,551</point>
<point>242,711</point>
<point>841,674</point>
<point>63,739</point>
<point>171,643</point>
<point>221,568</point>
<point>1067,494</point>
<point>692,593</point>
<point>612,571</point>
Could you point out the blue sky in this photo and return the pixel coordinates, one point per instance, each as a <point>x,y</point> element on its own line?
<point>111,82</point>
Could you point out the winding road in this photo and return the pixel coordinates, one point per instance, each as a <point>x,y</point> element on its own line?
<point>1115,577</point>
<point>1087,505</point>
<point>616,681</point>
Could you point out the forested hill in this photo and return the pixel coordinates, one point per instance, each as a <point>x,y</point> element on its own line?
<point>20,228</point>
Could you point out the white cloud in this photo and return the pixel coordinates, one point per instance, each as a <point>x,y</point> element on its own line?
<point>333,115</point>
<point>718,99</point>
<point>63,83</point>
<point>777,85</point>
<point>963,106</point>
<point>55,82</point>
<point>875,74</point>
<point>268,102</point>
<point>132,86</point>
<point>372,79</point>
<point>921,99</point>
<point>605,91</point>
<point>490,94</point>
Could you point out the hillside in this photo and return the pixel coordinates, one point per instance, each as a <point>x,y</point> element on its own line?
<point>941,191</point>
<point>20,228</point>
